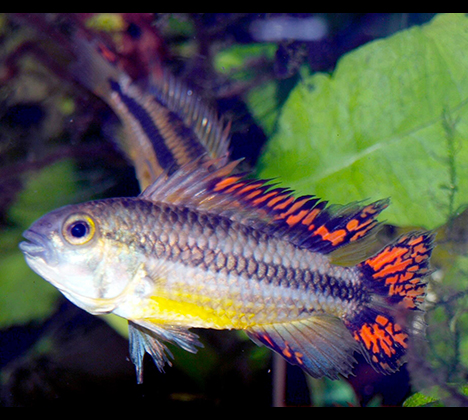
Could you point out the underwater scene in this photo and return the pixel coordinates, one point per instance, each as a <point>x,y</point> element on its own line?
<point>260,209</point>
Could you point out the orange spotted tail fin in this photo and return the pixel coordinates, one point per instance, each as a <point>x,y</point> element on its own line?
<point>396,277</point>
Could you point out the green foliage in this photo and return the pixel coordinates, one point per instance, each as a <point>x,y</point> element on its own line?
<point>377,127</point>
<point>391,121</point>
<point>433,397</point>
<point>24,296</point>
<point>421,400</point>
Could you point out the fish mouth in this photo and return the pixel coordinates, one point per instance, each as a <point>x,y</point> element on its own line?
<point>35,246</point>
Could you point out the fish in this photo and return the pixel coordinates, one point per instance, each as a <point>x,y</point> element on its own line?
<point>165,123</point>
<point>208,247</point>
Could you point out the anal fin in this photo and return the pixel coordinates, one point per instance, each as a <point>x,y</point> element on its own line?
<point>321,345</point>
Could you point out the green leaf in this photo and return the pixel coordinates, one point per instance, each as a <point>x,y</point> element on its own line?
<point>389,122</point>
<point>434,397</point>
<point>421,400</point>
<point>264,103</point>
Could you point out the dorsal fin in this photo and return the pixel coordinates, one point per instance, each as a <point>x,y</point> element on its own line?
<point>211,130</point>
<point>166,124</point>
<point>306,221</point>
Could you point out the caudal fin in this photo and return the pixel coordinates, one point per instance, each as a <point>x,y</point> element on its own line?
<point>396,278</point>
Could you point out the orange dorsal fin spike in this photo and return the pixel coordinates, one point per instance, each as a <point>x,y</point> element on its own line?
<point>306,221</point>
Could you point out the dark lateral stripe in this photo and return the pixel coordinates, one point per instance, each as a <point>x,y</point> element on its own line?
<point>163,154</point>
<point>172,246</point>
<point>269,274</point>
<point>227,263</point>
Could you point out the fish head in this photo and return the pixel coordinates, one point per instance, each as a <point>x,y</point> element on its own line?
<point>68,248</point>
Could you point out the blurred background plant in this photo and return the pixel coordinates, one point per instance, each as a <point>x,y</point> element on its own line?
<point>347,106</point>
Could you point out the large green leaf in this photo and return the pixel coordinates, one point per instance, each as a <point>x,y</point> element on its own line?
<point>390,122</point>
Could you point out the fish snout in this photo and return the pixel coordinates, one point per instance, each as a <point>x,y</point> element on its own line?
<point>36,246</point>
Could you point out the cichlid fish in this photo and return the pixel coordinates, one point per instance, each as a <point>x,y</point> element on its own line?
<point>205,247</point>
<point>166,124</point>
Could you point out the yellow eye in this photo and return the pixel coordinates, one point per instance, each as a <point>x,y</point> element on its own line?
<point>79,229</point>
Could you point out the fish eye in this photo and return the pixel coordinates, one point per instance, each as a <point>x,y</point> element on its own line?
<point>79,229</point>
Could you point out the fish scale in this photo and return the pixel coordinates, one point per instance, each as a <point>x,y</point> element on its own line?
<point>227,252</point>
<point>203,248</point>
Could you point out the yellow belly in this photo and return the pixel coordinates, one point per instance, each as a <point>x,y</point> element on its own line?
<point>199,312</point>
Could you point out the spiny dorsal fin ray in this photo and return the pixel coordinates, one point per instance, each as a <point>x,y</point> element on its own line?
<point>305,221</point>
<point>212,131</point>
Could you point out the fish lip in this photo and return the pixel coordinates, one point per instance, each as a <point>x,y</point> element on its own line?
<point>36,246</point>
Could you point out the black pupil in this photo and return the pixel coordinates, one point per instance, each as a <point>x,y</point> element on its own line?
<point>79,230</point>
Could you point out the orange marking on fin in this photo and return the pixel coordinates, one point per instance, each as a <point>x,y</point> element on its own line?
<point>335,237</point>
<point>221,185</point>
<point>282,206</point>
<point>299,358</point>
<point>385,257</point>
<point>253,195</point>
<point>392,280</point>
<point>107,54</point>
<point>372,209</point>
<point>235,187</point>
<point>401,339</point>
<point>247,188</point>
<point>416,241</point>
<point>382,320</point>
<point>311,217</point>
<point>360,234</point>
<point>276,200</point>
<point>264,198</point>
<point>286,351</point>
<point>294,220</point>
<point>420,258</point>
<point>353,225</point>
<point>366,335</point>
<point>382,336</point>
<point>296,206</point>
<point>268,340</point>
<point>394,268</point>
